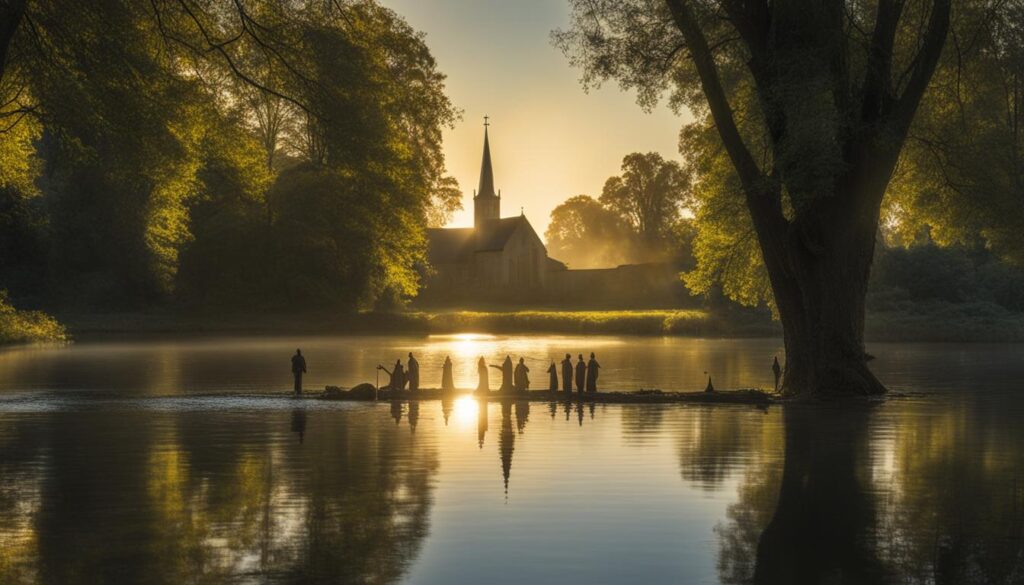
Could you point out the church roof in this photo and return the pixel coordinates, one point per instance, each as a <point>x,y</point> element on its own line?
<point>449,245</point>
<point>495,233</point>
<point>486,171</point>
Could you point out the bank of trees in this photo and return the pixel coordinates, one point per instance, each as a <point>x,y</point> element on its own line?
<point>638,218</point>
<point>221,155</point>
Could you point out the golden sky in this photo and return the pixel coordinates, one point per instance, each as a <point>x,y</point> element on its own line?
<point>549,139</point>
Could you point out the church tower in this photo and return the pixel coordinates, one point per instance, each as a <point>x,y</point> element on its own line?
<point>486,203</point>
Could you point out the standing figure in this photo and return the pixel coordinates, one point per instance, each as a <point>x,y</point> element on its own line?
<point>522,378</point>
<point>298,368</point>
<point>481,369</point>
<point>581,374</point>
<point>592,368</point>
<point>397,376</point>
<point>777,370</point>
<point>567,374</point>
<point>413,373</point>
<point>553,377</point>
<point>506,375</point>
<point>447,381</point>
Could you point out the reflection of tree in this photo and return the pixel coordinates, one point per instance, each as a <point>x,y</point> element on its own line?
<point>957,510</point>
<point>950,508</point>
<point>206,498</point>
<point>713,442</point>
<point>823,526</point>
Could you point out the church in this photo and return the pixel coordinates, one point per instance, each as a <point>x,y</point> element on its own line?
<point>499,257</point>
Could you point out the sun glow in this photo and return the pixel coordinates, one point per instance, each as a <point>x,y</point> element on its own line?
<point>465,411</point>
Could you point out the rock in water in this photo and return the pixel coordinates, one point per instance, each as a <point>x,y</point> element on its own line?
<point>365,391</point>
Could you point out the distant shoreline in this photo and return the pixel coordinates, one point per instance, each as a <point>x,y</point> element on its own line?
<point>922,325</point>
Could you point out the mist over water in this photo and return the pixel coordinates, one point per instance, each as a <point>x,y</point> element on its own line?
<point>166,462</point>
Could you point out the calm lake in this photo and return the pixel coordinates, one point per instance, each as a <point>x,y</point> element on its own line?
<point>181,462</point>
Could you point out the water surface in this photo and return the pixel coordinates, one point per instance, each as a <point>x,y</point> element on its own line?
<point>179,462</point>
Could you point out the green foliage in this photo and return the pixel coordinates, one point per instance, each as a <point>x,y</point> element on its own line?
<point>173,151</point>
<point>339,240</point>
<point>649,195</point>
<point>27,326</point>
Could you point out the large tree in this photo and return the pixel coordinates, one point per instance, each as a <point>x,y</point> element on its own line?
<point>812,103</point>
<point>649,195</point>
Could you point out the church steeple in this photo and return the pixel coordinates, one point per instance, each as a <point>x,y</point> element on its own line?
<point>486,203</point>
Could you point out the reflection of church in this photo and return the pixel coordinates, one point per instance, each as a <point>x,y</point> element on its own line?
<point>497,253</point>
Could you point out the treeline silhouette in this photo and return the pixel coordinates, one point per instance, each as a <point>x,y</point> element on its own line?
<point>258,155</point>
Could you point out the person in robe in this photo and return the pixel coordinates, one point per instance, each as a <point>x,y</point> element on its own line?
<point>506,375</point>
<point>567,374</point>
<point>553,377</point>
<point>481,369</point>
<point>777,370</point>
<point>298,368</point>
<point>592,368</point>
<point>581,374</point>
<point>521,376</point>
<point>413,373</point>
<point>397,376</point>
<point>447,380</point>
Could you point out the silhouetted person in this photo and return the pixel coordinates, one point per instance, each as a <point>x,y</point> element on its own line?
<point>710,387</point>
<point>413,374</point>
<point>777,370</point>
<point>521,376</point>
<point>567,374</point>
<point>553,377</point>
<point>298,368</point>
<point>481,369</point>
<point>447,380</point>
<point>592,368</point>
<point>397,376</point>
<point>581,374</point>
<point>299,423</point>
<point>506,375</point>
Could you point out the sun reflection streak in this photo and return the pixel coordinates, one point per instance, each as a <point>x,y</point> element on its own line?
<point>465,411</point>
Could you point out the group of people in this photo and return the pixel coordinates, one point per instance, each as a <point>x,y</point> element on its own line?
<point>584,374</point>
<point>400,376</point>
<point>515,378</point>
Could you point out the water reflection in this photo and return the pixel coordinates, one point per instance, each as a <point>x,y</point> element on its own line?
<point>928,489</point>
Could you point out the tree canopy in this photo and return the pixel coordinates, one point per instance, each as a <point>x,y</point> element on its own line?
<point>177,149</point>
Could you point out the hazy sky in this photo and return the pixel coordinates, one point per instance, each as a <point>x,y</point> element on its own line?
<point>549,139</point>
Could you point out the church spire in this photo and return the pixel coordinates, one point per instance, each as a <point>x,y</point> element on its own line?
<point>486,203</point>
<point>486,171</point>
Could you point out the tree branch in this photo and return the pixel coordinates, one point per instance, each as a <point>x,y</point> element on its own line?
<point>878,73</point>
<point>721,111</point>
<point>927,59</point>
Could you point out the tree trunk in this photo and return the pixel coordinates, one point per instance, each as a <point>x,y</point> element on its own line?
<point>819,276</point>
